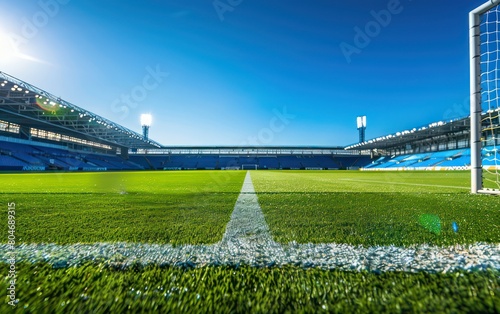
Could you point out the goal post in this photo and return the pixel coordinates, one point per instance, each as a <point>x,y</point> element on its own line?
<point>484,24</point>
<point>249,167</point>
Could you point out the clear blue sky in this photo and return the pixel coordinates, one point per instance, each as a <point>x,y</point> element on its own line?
<point>233,65</point>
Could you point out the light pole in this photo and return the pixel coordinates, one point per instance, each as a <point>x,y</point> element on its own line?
<point>362,128</point>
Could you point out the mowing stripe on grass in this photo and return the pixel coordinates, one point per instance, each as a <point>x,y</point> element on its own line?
<point>411,184</point>
<point>247,241</point>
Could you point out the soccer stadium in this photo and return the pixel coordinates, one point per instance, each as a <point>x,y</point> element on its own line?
<point>99,217</point>
<point>43,133</point>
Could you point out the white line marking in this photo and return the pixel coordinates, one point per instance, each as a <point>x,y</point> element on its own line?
<point>247,220</point>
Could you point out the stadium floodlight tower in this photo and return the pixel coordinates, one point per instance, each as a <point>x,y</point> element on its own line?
<point>361,128</point>
<point>146,120</point>
<point>484,37</point>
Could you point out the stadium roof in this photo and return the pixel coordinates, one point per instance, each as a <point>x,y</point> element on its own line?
<point>27,105</point>
<point>433,130</point>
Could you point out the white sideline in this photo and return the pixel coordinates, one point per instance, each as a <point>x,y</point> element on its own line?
<point>247,241</point>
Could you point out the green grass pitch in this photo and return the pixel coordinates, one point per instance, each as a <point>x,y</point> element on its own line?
<point>146,207</point>
<point>193,207</point>
<point>376,208</point>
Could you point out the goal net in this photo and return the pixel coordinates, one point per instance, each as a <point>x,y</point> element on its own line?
<point>485,97</point>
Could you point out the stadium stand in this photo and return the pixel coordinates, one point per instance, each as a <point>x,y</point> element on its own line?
<point>215,161</point>
<point>11,162</point>
<point>269,162</point>
<point>71,139</point>
<point>28,155</point>
<point>456,159</point>
<point>20,155</point>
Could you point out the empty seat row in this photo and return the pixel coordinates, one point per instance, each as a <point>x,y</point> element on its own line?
<point>453,159</point>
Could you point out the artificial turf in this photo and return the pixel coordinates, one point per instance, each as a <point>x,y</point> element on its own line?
<point>194,207</point>
<point>379,208</point>
<point>96,289</point>
<point>146,207</point>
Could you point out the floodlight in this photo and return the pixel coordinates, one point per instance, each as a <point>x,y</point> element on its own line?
<point>361,121</point>
<point>146,119</point>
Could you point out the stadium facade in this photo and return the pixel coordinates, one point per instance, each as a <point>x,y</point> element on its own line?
<point>40,132</point>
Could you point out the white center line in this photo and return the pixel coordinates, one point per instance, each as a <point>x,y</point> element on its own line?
<point>247,220</point>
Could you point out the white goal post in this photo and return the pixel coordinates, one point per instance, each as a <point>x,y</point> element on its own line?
<point>484,24</point>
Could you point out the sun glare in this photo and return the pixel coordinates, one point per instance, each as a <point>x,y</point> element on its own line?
<point>10,53</point>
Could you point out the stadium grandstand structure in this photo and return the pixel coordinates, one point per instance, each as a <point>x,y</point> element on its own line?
<point>457,159</point>
<point>40,132</point>
<point>30,113</point>
<point>24,155</point>
<point>443,145</point>
<point>249,158</point>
